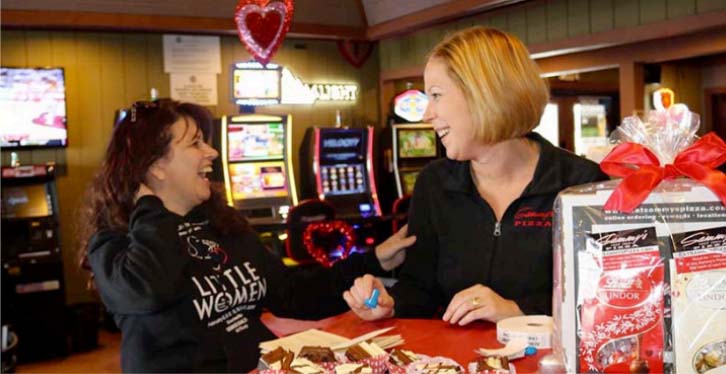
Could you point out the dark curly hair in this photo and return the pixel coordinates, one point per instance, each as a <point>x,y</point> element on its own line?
<point>140,138</point>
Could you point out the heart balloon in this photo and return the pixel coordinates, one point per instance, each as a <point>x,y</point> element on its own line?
<point>355,52</point>
<point>262,26</point>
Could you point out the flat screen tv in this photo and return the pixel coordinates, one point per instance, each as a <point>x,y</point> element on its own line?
<point>256,141</point>
<point>33,107</point>
<point>415,143</point>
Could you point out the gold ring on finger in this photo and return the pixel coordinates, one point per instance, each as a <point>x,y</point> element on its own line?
<point>475,302</point>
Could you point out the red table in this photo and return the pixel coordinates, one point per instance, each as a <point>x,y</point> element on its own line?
<point>432,337</point>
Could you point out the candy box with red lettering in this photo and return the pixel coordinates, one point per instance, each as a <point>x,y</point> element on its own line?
<point>614,241</point>
<point>609,273</point>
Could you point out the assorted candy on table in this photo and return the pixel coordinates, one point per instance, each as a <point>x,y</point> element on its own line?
<point>491,365</point>
<point>353,368</point>
<point>322,356</point>
<point>399,359</point>
<point>370,354</point>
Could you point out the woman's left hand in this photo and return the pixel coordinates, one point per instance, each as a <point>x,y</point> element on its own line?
<point>391,253</point>
<point>479,302</point>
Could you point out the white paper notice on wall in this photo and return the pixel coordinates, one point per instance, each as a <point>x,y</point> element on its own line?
<point>192,54</point>
<point>198,88</point>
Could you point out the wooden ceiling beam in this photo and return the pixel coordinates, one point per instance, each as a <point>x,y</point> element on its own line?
<point>630,35</point>
<point>437,14</point>
<point>705,43</point>
<point>44,19</point>
<point>710,42</point>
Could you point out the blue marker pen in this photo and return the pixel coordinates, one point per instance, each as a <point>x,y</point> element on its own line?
<point>372,302</point>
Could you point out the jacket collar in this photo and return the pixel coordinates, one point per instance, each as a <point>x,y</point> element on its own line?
<point>547,175</point>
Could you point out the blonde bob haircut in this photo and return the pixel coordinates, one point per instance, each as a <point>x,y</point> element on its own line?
<point>502,85</point>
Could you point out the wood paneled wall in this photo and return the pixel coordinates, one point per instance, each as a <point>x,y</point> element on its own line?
<point>546,21</point>
<point>108,71</point>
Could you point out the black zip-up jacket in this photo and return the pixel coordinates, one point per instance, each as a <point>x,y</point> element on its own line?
<point>189,300</point>
<point>460,243</point>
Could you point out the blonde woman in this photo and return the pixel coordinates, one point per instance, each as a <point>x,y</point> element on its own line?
<point>483,216</point>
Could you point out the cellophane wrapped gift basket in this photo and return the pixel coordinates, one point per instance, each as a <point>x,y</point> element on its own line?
<point>640,262</point>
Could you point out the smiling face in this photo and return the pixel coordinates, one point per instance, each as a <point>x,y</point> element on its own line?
<point>180,177</point>
<point>448,111</point>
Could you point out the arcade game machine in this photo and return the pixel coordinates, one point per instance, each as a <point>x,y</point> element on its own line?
<point>337,167</point>
<point>414,146</point>
<point>32,275</point>
<point>257,166</point>
<point>407,147</point>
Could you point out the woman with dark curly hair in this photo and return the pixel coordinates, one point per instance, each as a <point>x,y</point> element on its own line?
<point>183,274</point>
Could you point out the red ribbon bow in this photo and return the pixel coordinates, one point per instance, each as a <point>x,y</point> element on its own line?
<point>641,170</point>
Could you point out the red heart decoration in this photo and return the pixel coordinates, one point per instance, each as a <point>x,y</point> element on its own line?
<point>322,238</point>
<point>355,52</point>
<point>263,35</point>
<point>262,26</point>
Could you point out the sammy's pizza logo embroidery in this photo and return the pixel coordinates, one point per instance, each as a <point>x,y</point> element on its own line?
<point>204,249</point>
<point>528,217</point>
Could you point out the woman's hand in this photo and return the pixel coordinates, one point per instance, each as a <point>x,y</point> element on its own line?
<point>391,253</point>
<point>361,290</point>
<point>142,191</point>
<point>479,302</point>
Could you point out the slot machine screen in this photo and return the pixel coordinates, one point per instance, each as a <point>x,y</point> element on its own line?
<point>255,141</point>
<point>36,98</point>
<point>29,201</point>
<point>256,180</point>
<point>342,147</point>
<point>343,179</point>
<point>408,180</point>
<point>416,143</point>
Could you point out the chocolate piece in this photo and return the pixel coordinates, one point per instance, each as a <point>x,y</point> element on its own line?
<point>301,365</point>
<point>279,358</point>
<point>356,353</point>
<point>317,354</point>
<point>353,369</point>
<point>438,368</point>
<point>639,366</point>
<point>402,357</point>
<point>492,364</point>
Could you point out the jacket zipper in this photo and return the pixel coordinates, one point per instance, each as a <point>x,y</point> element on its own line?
<point>498,228</point>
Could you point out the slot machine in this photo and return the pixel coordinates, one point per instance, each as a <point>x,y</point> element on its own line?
<point>32,275</point>
<point>337,166</point>
<point>257,166</point>
<point>414,146</point>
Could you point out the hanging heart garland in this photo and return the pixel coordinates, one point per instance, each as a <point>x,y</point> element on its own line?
<point>262,26</point>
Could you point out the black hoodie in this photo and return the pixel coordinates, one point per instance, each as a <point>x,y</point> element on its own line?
<point>188,300</point>
<point>460,243</point>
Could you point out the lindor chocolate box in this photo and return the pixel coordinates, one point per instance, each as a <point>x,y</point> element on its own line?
<point>675,206</point>
<point>698,283</point>
<point>620,301</point>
